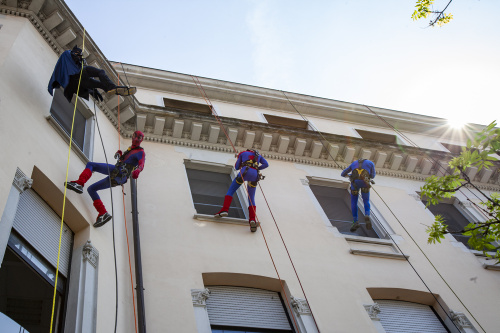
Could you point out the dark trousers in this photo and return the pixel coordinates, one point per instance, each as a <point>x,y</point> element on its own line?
<point>88,82</point>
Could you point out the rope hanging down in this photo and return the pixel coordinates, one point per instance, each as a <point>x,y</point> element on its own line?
<point>406,257</point>
<point>125,222</point>
<point>64,199</point>
<point>214,112</point>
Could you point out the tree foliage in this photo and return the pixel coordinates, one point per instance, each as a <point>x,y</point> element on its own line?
<point>423,10</point>
<point>478,153</point>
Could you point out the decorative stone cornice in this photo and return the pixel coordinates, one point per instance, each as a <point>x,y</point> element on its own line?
<point>199,296</point>
<point>373,310</point>
<point>300,306</point>
<point>90,254</point>
<point>36,21</point>
<point>461,321</point>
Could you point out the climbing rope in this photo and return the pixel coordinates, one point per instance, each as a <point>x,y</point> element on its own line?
<point>125,222</point>
<point>64,199</point>
<point>214,113</point>
<point>385,230</point>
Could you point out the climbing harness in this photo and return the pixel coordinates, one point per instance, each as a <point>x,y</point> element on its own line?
<point>122,170</point>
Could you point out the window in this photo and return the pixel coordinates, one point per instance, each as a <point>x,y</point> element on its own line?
<point>455,220</point>
<point>28,271</point>
<point>239,309</point>
<point>379,137</point>
<point>336,203</point>
<point>61,111</point>
<point>276,120</point>
<point>187,106</point>
<point>401,316</point>
<point>208,190</point>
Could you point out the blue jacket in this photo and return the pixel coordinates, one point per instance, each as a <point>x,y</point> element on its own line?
<point>367,165</point>
<point>65,67</point>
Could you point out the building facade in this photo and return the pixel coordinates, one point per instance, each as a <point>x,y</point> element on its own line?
<point>302,271</point>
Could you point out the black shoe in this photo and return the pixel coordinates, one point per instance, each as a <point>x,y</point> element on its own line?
<point>123,91</point>
<point>253,226</point>
<point>221,214</point>
<point>368,222</point>
<point>102,219</point>
<point>354,226</point>
<point>74,187</point>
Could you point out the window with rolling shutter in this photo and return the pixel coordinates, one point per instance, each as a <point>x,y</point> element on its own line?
<point>400,317</point>
<point>40,226</point>
<point>238,308</point>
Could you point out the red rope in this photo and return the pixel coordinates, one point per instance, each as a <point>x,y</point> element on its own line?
<point>125,219</point>
<point>207,100</point>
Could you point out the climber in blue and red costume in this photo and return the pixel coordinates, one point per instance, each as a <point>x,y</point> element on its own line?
<point>130,163</point>
<point>248,161</point>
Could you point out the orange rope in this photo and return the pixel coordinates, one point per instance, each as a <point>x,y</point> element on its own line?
<point>125,219</point>
<point>207,100</point>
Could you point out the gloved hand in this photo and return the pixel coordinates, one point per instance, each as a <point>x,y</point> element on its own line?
<point>118,154</point>
<point>135,174</point>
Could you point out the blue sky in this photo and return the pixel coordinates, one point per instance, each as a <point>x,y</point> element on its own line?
<point>363,51</point>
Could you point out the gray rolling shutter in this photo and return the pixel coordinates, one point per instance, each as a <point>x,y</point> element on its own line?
<point>36,222</point>
<point>246,307</point>
<point>400,317</point>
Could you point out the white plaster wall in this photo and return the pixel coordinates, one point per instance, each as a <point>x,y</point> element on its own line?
<point>29,140</point>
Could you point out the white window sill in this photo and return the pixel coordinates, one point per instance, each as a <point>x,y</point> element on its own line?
<point>378,254</point>
<point>211,218</point>
<point>374,247</point>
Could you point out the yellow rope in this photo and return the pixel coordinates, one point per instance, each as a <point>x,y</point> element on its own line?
<point>64,200</point>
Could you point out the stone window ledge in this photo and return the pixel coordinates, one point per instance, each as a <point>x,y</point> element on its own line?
<point>211,218</point>
<point>361,239</point>
<point>379,254</point>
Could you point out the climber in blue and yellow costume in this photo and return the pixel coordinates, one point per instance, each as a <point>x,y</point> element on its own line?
<point>248,161</point>
<point>361,174</point>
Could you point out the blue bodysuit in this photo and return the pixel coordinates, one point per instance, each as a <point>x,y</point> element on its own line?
<point>360,184</point>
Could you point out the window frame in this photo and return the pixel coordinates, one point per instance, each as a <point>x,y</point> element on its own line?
<point>380,225</point>
<point>84,108</point>
<point>224,169</point>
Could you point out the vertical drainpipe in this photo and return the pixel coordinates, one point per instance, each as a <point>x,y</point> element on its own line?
<point>141,311</point>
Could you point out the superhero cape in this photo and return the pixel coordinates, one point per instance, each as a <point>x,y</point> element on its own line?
<point>65,67</point>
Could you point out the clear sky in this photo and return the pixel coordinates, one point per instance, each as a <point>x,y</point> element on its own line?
<point>360,51</point>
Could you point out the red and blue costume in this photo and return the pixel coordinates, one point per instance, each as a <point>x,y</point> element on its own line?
<point>249,163</point>
<point>130,163</point>
<point>362,171</point>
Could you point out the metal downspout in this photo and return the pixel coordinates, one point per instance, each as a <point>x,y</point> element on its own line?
<point>141,311</point>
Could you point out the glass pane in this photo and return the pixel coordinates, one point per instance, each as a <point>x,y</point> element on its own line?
<point>62,111</point>
<point>336,203</point>
<point>35,260</point>
<point>9,325</point>
<point>453,218</point>
<point>208,190</point>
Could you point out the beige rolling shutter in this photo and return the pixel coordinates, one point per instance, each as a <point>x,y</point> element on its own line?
<point>246,307</point>
<point>400,317</point>
<point>39,225</point>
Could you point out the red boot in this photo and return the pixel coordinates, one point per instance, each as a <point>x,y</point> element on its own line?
<point>103,216</point>
<point>225,207</point>
<point>251,218</point>
<point>84,177</point>
<point>77,185</point>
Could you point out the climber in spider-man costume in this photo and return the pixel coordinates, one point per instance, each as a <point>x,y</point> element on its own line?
<point>130,163</point>
<point>248,161</point>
